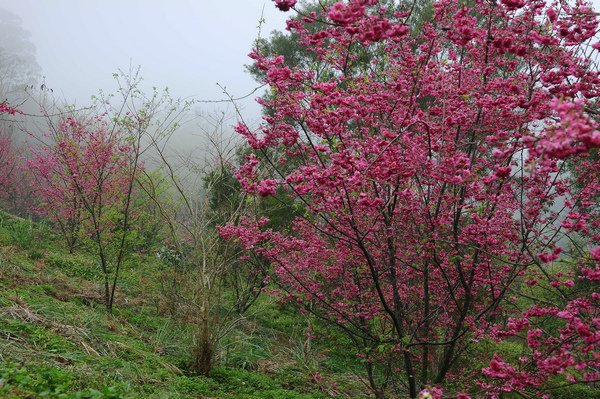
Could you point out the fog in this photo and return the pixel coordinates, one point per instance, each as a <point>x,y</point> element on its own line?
<point>195,48</point>
<point>186,45</point>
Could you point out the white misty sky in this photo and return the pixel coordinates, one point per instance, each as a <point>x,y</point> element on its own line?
<point>187,45</point>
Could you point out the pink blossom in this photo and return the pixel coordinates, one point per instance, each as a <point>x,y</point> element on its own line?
<point>267,187</point>
<point>431,393</point>
<point>595,252</point>
<point>285,5</point>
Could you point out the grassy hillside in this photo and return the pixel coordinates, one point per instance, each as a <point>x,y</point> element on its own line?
<point>56,340</point>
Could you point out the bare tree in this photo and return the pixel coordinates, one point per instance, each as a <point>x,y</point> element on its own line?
<point>204,268</point>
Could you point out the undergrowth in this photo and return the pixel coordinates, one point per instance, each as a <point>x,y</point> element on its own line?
<point>57,341</point>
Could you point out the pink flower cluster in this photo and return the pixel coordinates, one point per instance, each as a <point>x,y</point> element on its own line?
<point>574,133</point>
<point>431,393</point>
<point>285,5</point>
<point>84,172</point>
<point>5,108</point>
<point>345,14</point>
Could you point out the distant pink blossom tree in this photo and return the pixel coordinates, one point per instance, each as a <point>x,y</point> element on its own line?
<point>433,188</point>
<point>7,161</point>
<point>8,155</point>
<point>14,178</point>
<point>85,179</point>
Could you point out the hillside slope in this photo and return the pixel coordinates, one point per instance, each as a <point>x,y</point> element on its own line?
<point>56,340</point>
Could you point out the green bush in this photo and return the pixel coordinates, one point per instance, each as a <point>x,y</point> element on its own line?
<point>22,233</point>
<point>74,266</point>
<point>245,352</point>
<point>43,382</point>
<point>23,381</point>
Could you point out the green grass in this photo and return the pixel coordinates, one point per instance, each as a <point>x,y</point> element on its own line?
<point>56,340</point>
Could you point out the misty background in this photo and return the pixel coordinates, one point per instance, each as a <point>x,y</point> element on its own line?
<point>73,47</point>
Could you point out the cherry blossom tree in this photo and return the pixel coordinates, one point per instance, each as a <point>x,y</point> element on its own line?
<point>15,181</point>
<point>433,189</point>
<point>85,184</point>
<point>86,168</point>
<point>8,156</point>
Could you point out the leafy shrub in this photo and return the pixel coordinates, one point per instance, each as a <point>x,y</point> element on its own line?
<point>245,352</point>
<point>22,233</point>
<point>18,380</point>
<point>73,266</point>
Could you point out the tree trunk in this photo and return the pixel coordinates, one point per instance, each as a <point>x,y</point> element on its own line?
<point>202,357</point>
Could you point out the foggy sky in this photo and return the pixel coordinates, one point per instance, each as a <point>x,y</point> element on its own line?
<point>187,45</point>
